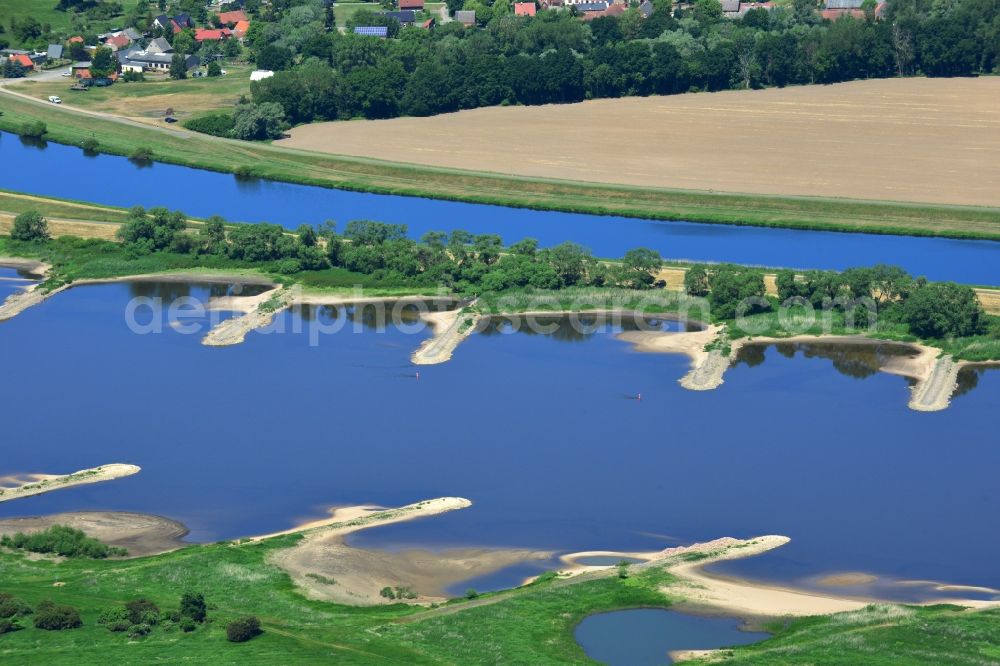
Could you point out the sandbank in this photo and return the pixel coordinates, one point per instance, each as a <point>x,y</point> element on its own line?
<point>141,534</point>
<point>26,485</point>
<point>450,329</point>
<point>707,367</point>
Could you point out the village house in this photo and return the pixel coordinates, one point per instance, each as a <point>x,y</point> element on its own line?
<point>154,62</point>
<point>22,59</point>
<point>834,9</point>
<point>240,29</point>
<point>174,24</point>
<point>466,17</point>
<point>404,16</point>
<point>159,45</point>
<point>524,9</point>
<point>117,42</point>
<point>232,18</point>
<point>54,52</point>
<point>416,5</point>
<point>212,35</point>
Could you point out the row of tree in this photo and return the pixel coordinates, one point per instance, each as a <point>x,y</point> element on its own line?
<point>929,309</point>
<point>555,57</point>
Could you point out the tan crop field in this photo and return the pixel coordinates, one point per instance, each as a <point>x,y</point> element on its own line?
<point>909,140</point>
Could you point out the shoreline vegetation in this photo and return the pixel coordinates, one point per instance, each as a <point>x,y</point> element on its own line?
<point>291,581</point>
<point>253,160</point>
<point>27,485</point>
<point>734,305</point>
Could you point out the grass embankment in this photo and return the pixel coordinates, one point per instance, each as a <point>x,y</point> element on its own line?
<point>533,624</point>
<point>179,147</point>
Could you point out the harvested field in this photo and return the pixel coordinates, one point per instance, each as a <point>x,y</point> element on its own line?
<point>908,140</point>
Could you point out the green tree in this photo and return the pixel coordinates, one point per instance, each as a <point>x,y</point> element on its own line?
<point>54,617</point>
<point>214,69</point>
<point>30,226</point>
<point>641,266</point>
<point>258,121</point>
<point>696,281</point>
<point>944,309</point>
<point>735,289</point>
<point>193,606</point>
<point>178,67</point>
<point>102,63</point>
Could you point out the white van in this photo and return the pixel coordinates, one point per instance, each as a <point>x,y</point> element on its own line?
<point>55,99</point>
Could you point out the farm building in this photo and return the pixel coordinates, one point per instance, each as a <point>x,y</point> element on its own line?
<point>212,35</point>
<point>524,8</point>
<point>411,4</point>
<point>404,16</point>
<point>466,17</point>
<point>232,18</point>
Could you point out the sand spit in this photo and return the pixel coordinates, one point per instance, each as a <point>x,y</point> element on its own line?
<point>933,392</point>
<point>450,329</point>
<point>259,311</point>
<point>707,367</point>
<point>29,297</point>
<point>26,485</point>
<point>141,534</point>
<point>325,567</point>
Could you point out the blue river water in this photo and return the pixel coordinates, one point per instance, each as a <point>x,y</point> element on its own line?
<point>644,636</point>
<point>116,181</point>
<point>542,432</point>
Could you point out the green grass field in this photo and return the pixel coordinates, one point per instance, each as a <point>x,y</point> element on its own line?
<point>45,12</point>
<point>360,174</point>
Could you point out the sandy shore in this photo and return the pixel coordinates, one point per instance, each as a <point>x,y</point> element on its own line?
<point>325,567</point>
<point>707,367</point>
<point>450,329</point>
<point>25,485</point>
<point>31,295</point>
<point>141,534</point>
<point>234,331</point>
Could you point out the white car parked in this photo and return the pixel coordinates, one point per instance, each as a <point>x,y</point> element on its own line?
<point>55,99</point>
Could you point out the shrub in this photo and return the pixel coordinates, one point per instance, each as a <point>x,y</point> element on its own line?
<point>12,607</point>
<point>193,606</point>
<point>90,144</point>
<point>387,592</point>
<point>133,77</point>
<point>141,154</point>
<point>243,629</point>
<point>141,611</point>
<point>137,630</point>
<point>61,540</point>
<point>188,625</point>
<point>34,129</point>
<point>7,625</point>
<point>214,69</point>
<point>216,124</point>
<point>118,626</point>
<point>245,171</point>
<point>471,593</point>
<point>30,226</point>
<point>54,617</point>
<point>112,615</point>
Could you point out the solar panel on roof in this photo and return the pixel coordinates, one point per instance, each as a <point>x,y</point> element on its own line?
<point>372,31</point>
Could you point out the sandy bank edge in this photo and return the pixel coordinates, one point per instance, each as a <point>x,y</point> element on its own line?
<point>43,483</point>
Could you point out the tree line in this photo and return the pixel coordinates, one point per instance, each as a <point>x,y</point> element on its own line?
<point>554,57</point>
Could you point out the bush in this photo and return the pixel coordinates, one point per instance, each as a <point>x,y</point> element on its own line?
<point>133,77</point>
<point>214,69</point>
<point>193,606</point>
<point>471,593</point>
<point>944,309</point>
<point>138,630</point>
<point>141,154</point>
<point>113,615</point>
<point>12,607</point>
<point>142,611</point>
<point>243,629</point>
<point>35,129</point>
<point>90,144</point>
<point>63,541</point>
<point>30,226</point>
<point>55,617</point>
<point>118,626</point>
<point>7,625</point>
<point>215,124</point>
<point>188,625</point>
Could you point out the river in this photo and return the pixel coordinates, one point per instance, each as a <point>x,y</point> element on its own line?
<point>66,172</point>
<point>542,432</point>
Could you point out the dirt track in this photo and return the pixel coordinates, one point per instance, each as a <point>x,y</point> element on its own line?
<point>915,140</point>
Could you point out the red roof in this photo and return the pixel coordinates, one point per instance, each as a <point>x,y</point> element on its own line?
<point>176,26</point>
<point>22,60</point>
<point>233,17</point>
<point>428,24</point>
<point>411,4</point>
<point>75,40</point>
<point>241,28</point>
<point>205,35</point>
<point>119,40</point>
<point>524,8</point>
